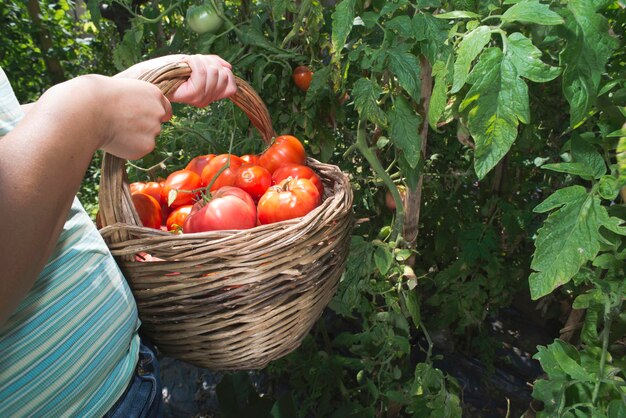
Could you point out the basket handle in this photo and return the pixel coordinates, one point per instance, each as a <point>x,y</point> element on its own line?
<point>170,76</point>
<point>114,195</point>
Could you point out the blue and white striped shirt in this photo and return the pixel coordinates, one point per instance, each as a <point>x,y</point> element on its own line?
<point>71,347</point>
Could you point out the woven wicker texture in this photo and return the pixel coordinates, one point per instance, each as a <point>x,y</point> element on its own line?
<point>229,300</point>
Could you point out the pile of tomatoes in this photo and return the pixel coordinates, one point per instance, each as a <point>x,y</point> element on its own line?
<point>229,192</point>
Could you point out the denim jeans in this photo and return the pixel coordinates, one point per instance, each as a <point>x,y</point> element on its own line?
<point>142,398</point>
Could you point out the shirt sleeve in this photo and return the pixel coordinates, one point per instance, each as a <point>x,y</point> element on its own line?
<point>10,110</point>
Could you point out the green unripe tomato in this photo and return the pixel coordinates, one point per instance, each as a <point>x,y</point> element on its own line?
<point>203,18</point>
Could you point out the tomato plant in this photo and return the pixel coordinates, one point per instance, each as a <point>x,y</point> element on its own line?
<point>176,219</point>
<point>203,19</point>
<point>198,163</point>
<point>226,177</point>
<point>186,184</point>
<point>229,208</point>
<point>298,171</point>
<point>302,76</point>
<point>253,179</point>
<point>290,199</point>
<point>148,209</point>
<point>285,149</point>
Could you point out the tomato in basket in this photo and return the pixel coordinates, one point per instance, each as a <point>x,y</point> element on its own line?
<point>253,179</point>
<point>148,209</point>
<point>290,199</point>
<point>298,171</point>
<point>198,163</point>
<point>227,177</point>
<point>250,159</point>
<point>229,208</point>
<point>177,217</point>
<point>186,184</point>
<point>285,149</point>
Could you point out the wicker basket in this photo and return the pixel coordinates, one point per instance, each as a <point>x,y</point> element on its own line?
<point>229,300</point>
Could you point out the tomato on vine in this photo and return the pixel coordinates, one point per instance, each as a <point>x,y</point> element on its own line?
<point>203,19</point>
<point>302,76</point>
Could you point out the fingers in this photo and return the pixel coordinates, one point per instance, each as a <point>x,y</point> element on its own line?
<point>167,107</point>
<point>211,79</point>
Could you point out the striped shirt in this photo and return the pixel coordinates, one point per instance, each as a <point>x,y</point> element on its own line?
<point>71,346</point>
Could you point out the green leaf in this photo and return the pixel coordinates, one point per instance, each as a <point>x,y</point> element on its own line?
<point>577,169</point>
<point>617,409</point>
<point>383,258</point>
<point>527,59</point>
<point>496,103</point>
<point>608,187</point>
<point>569,237</point>
<point>458,14</point>
<point>366,93</point>
<point>531,11</point>
<point>585,153</point>
<point>94,11</point>
<point>343,19</point>
<point>404,131</point>
<point>390,7</point>
<point>279,7</point>
<point>469,48</point>
<point>439,95</point>
<point>620,154</point>
<point>402,25</point>
<point>412,301</point>
<point>434,32</point>
<point>318,83</point>
<point>618,133</point>
<point>406,67</point>
<point>562,352</point>
<point>584,58</point>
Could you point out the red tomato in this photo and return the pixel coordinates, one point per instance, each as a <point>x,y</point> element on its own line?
<point>186,182</point>
<point>148,209</point>
<point>253,179</point>
<point>302,76</point>
<point>250,159</point>
<point>177,218</point>
<point>227,178</point>
<point>153,189</point>
<point>389,202</point>
<point>229,208</point>
<point>198,163</point>
<point>298,171</point>
<point>291,199</point>
<point>137,187</point>
<point>285,149</point>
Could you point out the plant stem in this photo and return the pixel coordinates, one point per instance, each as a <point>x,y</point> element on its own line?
<point>605,347</point>
<point>428,340</point>
<point>372,159</point>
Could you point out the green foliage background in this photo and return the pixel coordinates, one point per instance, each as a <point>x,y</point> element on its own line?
<point>518,152</point>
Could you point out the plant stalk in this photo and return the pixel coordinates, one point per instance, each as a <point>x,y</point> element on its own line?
<point>372,159</point>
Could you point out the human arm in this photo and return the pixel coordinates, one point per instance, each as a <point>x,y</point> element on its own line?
<point>43,161</point>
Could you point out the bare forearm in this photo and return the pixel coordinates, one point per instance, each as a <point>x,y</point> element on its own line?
<point>42,163</point>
